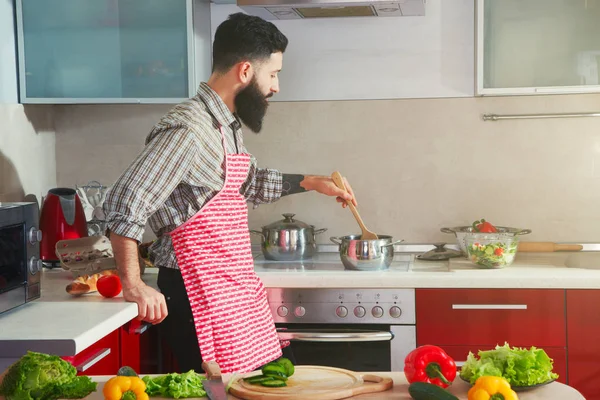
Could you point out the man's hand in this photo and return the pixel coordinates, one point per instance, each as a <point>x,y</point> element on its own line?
<point>326,186</point>
<point>152,306</point>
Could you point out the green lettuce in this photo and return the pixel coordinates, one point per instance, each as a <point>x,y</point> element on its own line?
<point>39,376</point>
<point>177,386</point>
<point>519,366</point>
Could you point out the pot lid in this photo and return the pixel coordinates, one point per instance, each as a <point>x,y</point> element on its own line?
<point>288,222</point>
<point>439,253</point>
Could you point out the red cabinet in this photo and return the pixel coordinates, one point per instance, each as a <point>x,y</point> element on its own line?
<point>486,317</point>
<point>101,358</point>
<point>463,320</point>
<point>583,328</point>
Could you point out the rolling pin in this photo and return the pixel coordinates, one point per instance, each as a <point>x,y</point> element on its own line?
<point>544,247</point>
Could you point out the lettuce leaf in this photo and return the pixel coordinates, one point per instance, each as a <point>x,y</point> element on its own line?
<point>177,386</point>
<point>519,366</point>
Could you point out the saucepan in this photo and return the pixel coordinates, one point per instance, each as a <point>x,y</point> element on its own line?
<point>288,239</point>
<point>366,255</point>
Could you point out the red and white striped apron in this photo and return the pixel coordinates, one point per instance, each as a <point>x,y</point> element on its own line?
<point>233,321</point>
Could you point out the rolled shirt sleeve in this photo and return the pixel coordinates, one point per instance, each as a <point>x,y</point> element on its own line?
<point>263,185</point>
<point>149,181</point>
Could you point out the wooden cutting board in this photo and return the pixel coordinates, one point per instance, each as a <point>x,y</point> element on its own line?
<point>545,247</point>
<point>315,383</point>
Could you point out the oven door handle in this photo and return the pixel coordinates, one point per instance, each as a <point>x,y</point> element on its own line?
<point>334,335</point>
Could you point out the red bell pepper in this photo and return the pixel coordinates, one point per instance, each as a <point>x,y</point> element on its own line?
<point>430,364</point>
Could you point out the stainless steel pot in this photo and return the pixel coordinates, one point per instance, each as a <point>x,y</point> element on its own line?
<point>288,239</point>
<point>366,255</point>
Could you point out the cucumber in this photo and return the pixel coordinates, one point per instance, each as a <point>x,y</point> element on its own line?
<point>275,370</point>
<point>274,383</point>
<point>259,379</point>
<point>429,391</point>
<point>126,371</point>
<point>287,365</point>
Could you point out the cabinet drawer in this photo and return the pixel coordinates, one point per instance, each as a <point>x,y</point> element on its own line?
<point>558,355</point>
<point>101,358</point>
<point>487,317</point>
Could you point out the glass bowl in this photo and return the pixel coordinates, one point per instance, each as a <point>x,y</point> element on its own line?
<point>491,250</point>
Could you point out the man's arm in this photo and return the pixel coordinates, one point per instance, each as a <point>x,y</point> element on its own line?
<point>296,183</point>
<point>138,193</point>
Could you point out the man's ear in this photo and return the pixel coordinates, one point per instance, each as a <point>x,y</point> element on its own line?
<point>244,72</point>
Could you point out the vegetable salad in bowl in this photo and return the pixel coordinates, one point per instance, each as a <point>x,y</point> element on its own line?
<point>493,250</point>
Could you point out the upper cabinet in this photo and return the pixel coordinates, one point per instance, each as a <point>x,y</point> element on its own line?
<point>108,51</point>
<point>538,46</point>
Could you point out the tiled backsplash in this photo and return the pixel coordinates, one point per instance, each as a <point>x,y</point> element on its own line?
<point>415,165</point>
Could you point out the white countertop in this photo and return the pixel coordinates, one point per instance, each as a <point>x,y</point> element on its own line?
<point>61,323</point>
<point>529,270</point>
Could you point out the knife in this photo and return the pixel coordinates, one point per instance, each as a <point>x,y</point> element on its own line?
<point>215,389</point>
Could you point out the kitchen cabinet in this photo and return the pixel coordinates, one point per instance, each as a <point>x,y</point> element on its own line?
<point>537,46</point>
<point>463,320</point>
<point>583,328</point>
<point>101,358</point>
<point>111,51</point>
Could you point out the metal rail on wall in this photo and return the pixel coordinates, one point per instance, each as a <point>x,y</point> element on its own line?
<point>497,117</point>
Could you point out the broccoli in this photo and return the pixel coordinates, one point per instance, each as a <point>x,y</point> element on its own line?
<point>38,376</point>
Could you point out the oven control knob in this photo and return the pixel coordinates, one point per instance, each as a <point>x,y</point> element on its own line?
<point>395,312</point>
<point>341,312</point>
<point>359,311</point>
<point>282,311</point>
<point>35,265</point>
<point>35,236</point>
<point>300,311</point>
<point>377,312</point>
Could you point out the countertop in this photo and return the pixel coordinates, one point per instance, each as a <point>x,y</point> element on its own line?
<point>64,324</point>
<point>553,391</point>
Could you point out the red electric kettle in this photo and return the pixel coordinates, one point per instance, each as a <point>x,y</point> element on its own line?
<point>61,218</point>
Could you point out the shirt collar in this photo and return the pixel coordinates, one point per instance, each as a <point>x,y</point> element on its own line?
<point>217,107</point>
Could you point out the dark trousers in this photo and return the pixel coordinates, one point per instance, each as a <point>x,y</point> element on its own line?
<point>178,328</point>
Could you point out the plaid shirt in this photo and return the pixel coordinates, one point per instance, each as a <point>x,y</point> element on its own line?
<point>180,169</point>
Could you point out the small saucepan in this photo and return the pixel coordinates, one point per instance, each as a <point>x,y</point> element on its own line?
<point>366,255</point>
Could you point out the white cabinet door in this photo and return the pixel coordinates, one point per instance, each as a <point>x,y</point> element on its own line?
<point>538,46</point>
<point>106,51</point>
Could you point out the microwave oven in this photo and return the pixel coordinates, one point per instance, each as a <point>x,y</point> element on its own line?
<point>20,264</point>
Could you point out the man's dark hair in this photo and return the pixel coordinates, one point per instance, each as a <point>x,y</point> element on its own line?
<point>244,37</point>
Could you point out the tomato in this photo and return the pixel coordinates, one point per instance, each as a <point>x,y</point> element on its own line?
<point>109,285</point>
<point>499,251</point>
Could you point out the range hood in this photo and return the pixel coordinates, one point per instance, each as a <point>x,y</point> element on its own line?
<point>300,9</point>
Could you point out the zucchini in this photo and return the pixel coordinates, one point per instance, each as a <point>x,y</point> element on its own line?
<point>429,391</point>
<point>274,383</point>
<point>287,366</point>
<point>126,371</point>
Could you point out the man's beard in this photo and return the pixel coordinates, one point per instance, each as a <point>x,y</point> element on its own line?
<point>251,106</point>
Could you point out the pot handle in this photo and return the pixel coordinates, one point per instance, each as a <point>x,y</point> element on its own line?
<point>336,240</point>
<point>393,243</point>
<point>447,230</point>
<point>320,231</point>
<point>257,233</point>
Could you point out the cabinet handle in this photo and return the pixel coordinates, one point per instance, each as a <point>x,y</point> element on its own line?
<point>87,364</point>
<point>489,306</point>
<point>142,328</point>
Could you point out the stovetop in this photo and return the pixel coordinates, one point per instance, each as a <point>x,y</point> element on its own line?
<point>327,261</point>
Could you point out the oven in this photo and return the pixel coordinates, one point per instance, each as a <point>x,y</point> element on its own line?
<point>20,263</point>
<point>355,329</point>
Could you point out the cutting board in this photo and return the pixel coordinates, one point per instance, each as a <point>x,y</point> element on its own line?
<point>544,247</point>
<point>315,383</point>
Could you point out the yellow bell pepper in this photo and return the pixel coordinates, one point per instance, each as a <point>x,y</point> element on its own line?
<point>492,388</point>
<point>125,388</point>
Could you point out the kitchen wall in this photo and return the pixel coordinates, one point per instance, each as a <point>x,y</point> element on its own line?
<point>415,165</point>
<point>27,152</point>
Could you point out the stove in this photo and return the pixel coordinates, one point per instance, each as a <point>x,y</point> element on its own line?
<point>329,261</point>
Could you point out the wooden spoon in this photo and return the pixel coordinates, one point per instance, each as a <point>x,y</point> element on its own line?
<point>366,234</point>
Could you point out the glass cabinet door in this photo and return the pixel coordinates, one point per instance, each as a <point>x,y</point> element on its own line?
<point>538,46</point>
<point>105,51</point>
